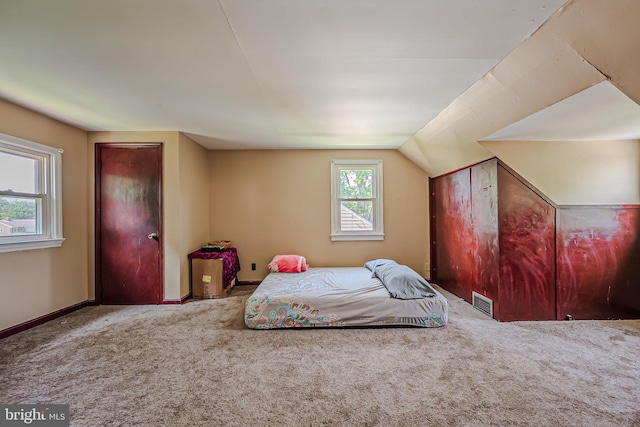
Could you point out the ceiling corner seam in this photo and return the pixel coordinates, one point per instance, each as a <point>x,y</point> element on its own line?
<point>246,59</point>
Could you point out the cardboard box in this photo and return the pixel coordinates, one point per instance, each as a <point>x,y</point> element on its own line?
<point>206,278</point>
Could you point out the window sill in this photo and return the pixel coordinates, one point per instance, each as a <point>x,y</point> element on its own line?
<point>352,237</point>
<point>30,245</point>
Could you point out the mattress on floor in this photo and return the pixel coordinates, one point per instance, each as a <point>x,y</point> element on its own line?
<point>337,297</point>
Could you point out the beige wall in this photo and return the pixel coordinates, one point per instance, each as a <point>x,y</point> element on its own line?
<point>272,202</point>
<point>576,172</point>
<point>194,203</point>
<point>38,282</point>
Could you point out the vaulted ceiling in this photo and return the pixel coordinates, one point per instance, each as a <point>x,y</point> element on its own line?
<point>575,78</point>
<point>428,77</point>
<point>239,74</point>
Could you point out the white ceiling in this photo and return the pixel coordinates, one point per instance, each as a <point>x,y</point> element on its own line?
<point>599,113</point>
<point>256,73</point>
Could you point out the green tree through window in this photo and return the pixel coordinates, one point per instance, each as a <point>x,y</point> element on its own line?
<point>356,200</point>
<point>17,208</point>
<point>356,185</point>
<point>30,196</point>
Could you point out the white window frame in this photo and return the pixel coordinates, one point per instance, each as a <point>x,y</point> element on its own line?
<point>49,194</point>
<point>378,223</point>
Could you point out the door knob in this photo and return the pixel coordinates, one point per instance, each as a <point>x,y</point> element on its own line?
<point>153,236</point>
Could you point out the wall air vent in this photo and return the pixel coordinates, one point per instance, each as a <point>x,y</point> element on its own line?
<point>482,303</point>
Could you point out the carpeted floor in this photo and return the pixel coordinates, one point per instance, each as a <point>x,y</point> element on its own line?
<point>198,365</point>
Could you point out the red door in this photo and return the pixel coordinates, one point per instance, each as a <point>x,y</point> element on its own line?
<point>452,250</point>
<point>128,224</point>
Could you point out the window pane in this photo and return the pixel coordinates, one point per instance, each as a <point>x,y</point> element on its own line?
<point>356,216</point>
<point>18,216</point>
<point>356,183</point>
<point>17,173</point>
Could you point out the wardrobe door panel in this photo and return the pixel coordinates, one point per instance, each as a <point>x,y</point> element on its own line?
<point>527,252</point>
<point>453,248</point>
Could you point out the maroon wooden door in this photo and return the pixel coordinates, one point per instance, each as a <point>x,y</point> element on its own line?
<point>128,224</point>
<point>452,240</point>
<point>486,246</point>
<point>527,252</point>
<point>598,248</point>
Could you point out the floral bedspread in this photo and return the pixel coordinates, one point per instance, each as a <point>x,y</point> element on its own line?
<point>333,297</point>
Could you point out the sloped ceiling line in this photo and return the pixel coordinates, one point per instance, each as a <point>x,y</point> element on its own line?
<point>256,74</point>
<point>251,66</point>
<point>547,68</point>
<point>606,77</point>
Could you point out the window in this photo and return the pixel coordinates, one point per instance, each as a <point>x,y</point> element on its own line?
<point>30,199</point>
<point>356,200</point>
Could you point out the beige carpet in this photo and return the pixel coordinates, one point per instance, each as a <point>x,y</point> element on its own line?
<point>197,365</point>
